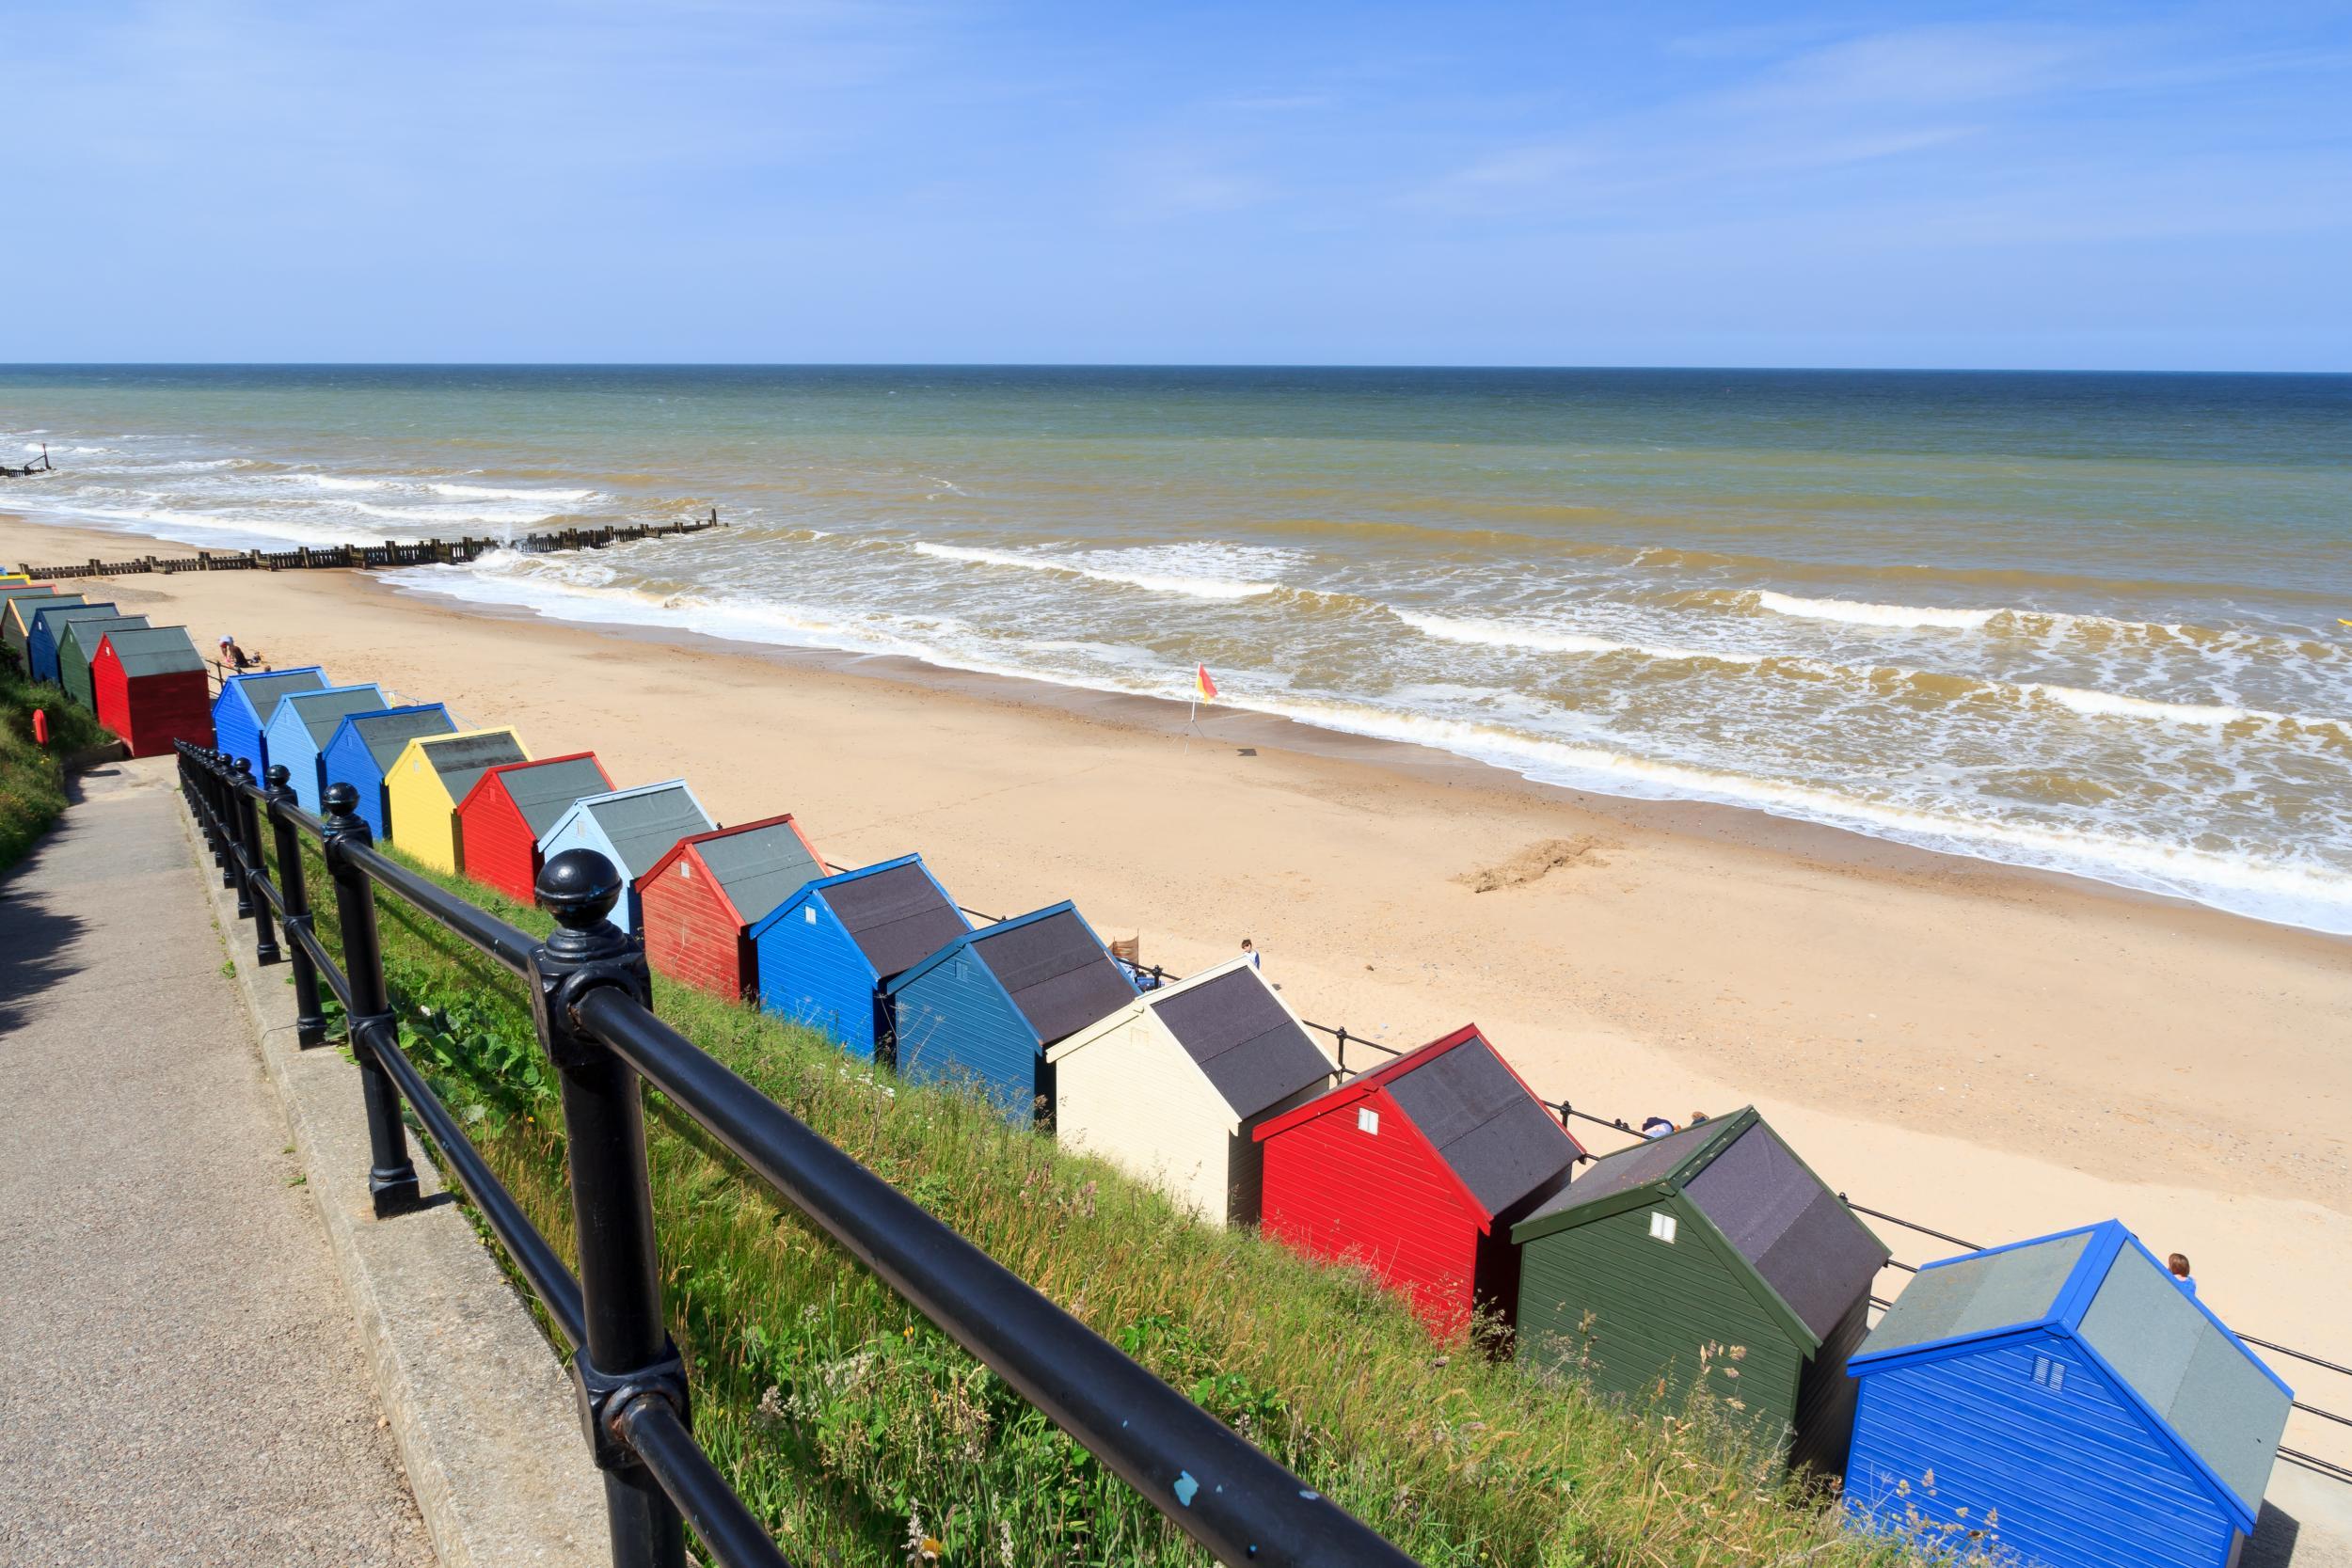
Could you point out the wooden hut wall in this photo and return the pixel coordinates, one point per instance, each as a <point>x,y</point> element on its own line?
<point>74,655</point>
<point>427,781</point>
<point>499,820</point>
<point>824,954</point>
<point>365,746</point>
<point>297,733</point>
<point>246,703</point>
<point>40,648</point>
<point>151,689</point>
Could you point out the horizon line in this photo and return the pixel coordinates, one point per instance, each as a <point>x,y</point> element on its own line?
<point>6,367</point>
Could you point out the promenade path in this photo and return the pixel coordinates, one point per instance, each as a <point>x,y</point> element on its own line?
<point>181,1379</point>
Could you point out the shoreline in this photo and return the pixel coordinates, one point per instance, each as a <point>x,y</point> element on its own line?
<point>1994,1051</point>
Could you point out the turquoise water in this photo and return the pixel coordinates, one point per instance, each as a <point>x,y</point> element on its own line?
<point>2081,622</point>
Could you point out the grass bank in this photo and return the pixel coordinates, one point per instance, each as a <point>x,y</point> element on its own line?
<point>865,1437</point>
<point>32,779</point>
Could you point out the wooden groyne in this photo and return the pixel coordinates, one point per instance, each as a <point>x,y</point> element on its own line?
<point>428,552</point>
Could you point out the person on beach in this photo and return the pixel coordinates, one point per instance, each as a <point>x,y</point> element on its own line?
<point>2178,1263</point>
<point>1249,951</point>
<point>1658,1127</point>
<point>236,658</point>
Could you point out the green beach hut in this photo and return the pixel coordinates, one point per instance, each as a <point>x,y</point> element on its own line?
<point>1710,1256</point>
<point>74,648</point>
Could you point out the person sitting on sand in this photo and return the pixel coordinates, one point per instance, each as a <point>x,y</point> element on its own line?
<point>1658,1127</point>
<point>2178,1263</point>
<point>236,658</point>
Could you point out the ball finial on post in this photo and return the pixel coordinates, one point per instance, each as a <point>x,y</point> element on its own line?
<point>343,820</point>
<point>579,888</point>
<point>277,776</point>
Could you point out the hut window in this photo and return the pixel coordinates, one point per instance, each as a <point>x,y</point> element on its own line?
<point>1661,1227</point>
<point>809,914</point>
<point>1367,1120</point>
<point>686,872</point>
<point>2050,1374</point>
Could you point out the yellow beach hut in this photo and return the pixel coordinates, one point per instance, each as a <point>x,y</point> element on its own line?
<point>1171,1086</point>
<point>431,775</point>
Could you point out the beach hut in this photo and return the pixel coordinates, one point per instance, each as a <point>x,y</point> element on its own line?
<point>697,904</point>
<point>430,776</point>
<point>364,747</point>
<point>151,688</point>
<point>823,954</point>
<point>632,829</point>
<point>1173,1087</point>
<point>74,649</point>
<point>12,580</point>
<point>296,735</point>
<point>246,703</point>
<point>16,622</point>
<point>1713,1257</point>
<point>986,1008</point>
<point>1417,1171</point>
<point>499,820</point>
<point>2063,1401</point>
<point>48,623</point>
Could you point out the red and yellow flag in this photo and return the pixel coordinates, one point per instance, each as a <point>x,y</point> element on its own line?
<point>1203,687</point>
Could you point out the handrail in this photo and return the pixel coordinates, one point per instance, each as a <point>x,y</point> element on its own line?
<point>1225,1493</point>
<point>591,994</point>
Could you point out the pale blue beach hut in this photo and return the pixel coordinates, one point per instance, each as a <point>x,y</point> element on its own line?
<point>633,829</point>
<point>296,735</point>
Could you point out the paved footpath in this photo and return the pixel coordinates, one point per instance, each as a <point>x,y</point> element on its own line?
<point>181,1380</point>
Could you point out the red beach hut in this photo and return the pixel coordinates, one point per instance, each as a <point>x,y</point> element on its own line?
<point>1417,1172</point>
<point>499,820</point>
<point>150,688</point>
<point>698,903</point>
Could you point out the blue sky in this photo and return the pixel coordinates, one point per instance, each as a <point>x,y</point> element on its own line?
<point>2127,186</point>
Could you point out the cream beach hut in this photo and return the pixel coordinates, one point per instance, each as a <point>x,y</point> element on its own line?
<point>1171,1086</point>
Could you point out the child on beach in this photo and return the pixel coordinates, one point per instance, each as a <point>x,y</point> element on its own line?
<point>2178,1263</point>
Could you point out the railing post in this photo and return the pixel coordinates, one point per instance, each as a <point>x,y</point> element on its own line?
<point>392,1180</point>
<point>224,845</point>
<point>207,766</point>
<point>293,886</point>
<point>232,829</point>
<point>629,1356</point>
<point>248,828</point>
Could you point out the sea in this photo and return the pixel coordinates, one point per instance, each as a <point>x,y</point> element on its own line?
<point>2088,623</point>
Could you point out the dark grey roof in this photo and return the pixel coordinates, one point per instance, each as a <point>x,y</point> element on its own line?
<point>262,692</point>
<point>2179,1359</point>
<point>1485,1125</point>
<point>1978,1295</point>
<point>462,759</point>
<point>645,824</point>
<point>388,734</point>
<point>155,651</point>
<point>60,619</point>
<point>544,791</point>
<point>321,712</point>
<point>1652,1160</point>
<point>86,635</point>
<point>896,917</point>
<point>1798,1235</point>
<point>1249,1046</point>
<point>1059,975</point>
<point>759,867</point>
<point>21,610</point>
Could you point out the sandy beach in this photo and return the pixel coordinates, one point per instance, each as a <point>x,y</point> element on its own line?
<point>1990,1051</point>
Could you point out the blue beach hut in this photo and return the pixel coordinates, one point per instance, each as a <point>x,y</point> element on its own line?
<point>633,829</point>
<point>246,703</point>
<point>2063,1401</point>
<point>364,747</point>
<point>825,952</point>
<point>304,721</point>
<point>48,628</point>
<point>985,1008</point>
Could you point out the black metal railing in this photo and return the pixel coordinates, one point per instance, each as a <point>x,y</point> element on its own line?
<point>590,996</point>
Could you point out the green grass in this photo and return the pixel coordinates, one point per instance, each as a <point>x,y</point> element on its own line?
<point>860,1432</point>
<point>32,782</point>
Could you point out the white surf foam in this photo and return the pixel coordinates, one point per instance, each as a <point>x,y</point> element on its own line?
<point>492,492</point>
<point>1864,615</point>
<point>1132,568</point>
<point>1501,634</point>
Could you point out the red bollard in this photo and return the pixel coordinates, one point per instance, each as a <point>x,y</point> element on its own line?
<point>40,726</point>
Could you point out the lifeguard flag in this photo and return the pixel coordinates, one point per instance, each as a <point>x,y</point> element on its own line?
<point>1202,686</point>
